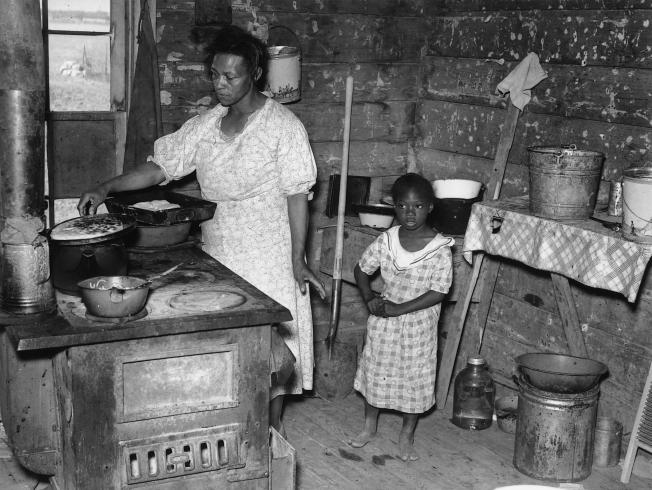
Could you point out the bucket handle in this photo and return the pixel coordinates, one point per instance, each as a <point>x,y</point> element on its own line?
<point>560,154</point>
<point>294,35</point>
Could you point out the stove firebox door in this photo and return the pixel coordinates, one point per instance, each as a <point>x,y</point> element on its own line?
<point>176,412</point>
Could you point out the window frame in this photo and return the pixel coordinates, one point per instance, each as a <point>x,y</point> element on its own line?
<point>124,18</point>
<point>119,30</point>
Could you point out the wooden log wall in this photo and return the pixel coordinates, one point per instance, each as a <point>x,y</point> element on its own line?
<point>598,56</point>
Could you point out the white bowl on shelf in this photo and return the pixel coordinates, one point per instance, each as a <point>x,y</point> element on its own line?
<point>456,188</point>
<point>375,215</point>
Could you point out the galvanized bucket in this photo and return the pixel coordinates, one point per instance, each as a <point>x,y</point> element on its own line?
<point>608,439</point>
<point>554,433</point>
<point>564,181</point>
<point>26,285</point>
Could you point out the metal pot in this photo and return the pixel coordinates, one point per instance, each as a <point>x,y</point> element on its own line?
<point>506,409</point>
<point>559,373</point>
<point>73,263</point>
<point>158,236</point>
<point>114,296</point>
<point>451,215</point>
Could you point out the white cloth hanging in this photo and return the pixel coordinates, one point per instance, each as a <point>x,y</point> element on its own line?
<point>527,74</point>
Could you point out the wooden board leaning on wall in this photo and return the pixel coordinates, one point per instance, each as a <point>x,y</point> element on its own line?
<point>473,130</point>
<point>324,37</point>
<point>586,37</point>
<point>509,5</point>
<point>599,93</point>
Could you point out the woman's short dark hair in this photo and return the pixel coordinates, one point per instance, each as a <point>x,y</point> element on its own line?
<point>413,182</point>
<point>235,40</point>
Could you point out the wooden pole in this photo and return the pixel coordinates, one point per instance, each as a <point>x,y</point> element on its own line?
<point>568,314</point>
<point>462,307</point>
<point>339,234</point>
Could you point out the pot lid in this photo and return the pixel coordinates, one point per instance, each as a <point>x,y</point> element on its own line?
<point>92,228</point>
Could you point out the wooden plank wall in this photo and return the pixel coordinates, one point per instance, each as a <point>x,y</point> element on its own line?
<point>598,55</point>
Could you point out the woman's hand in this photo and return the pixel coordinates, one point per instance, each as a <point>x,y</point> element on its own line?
<point>303,274</point>
<point>90,200</point>
<point>142,176</point>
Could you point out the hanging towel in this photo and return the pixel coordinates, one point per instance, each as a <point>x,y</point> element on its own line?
<point>527,74</point>
<point>144,124</point>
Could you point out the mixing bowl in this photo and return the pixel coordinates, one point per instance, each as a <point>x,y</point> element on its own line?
<point>375,215</point>
<point>456,188</point>
<point>560,373</point>
<point>114,296</point>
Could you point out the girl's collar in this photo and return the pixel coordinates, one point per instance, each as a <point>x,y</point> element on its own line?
<point>403,259</point>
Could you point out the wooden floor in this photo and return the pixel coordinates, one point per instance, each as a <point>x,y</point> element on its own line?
<point>451,458</point>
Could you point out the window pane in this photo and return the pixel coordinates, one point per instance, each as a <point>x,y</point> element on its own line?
<point>79,73</point>
<point>79,15</point>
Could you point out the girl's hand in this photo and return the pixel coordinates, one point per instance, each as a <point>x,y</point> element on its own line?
<point>391,308</point>
<point>376,306</point>
<point>303,274</point>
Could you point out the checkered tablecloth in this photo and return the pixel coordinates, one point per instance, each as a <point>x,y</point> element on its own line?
<point>582,250</point>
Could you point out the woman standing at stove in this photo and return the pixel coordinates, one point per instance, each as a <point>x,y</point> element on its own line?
<point>252,158</point>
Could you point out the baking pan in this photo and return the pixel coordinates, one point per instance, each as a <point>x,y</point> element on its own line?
<point>357,192</point>
<point>191,208</point>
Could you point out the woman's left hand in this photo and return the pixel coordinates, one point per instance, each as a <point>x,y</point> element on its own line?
<point>302,274</point>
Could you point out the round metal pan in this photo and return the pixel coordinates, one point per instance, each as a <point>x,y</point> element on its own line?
<point>128,223</point>
<point>559,373</point>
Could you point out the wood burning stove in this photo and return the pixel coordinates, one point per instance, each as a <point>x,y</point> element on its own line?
<point>175,400</point>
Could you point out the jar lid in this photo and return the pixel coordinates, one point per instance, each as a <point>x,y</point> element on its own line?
<point>477,360</point>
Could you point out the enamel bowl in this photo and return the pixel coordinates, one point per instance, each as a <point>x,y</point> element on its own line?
<point>375,215</point>
<point>456,188</point>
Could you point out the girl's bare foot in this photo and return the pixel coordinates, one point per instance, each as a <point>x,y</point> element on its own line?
<point>361,439</point>
<point>406,451</point>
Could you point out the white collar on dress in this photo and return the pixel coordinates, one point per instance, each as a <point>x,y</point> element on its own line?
<point>403,259</point>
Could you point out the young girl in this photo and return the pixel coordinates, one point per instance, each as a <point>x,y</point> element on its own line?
<point>399,361</point>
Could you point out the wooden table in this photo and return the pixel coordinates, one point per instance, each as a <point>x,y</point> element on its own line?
<point>175,400</point>
<point>582,250</point>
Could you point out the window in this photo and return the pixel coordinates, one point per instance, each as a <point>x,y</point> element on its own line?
<point>86,50</point>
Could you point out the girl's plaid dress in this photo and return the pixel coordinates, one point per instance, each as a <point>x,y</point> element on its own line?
<point>399,361</point>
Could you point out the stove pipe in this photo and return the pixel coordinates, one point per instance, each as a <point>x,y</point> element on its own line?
<point>22,157</point>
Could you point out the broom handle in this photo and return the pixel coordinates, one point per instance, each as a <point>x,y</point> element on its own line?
<point>339,234</point>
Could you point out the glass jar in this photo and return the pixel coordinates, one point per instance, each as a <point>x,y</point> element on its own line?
<point>473,400</point>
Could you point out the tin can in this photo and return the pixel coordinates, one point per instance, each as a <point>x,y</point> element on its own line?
<point>615,207</point>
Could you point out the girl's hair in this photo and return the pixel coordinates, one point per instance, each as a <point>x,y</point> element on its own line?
<point>413,182</point>
<point>235,40</point>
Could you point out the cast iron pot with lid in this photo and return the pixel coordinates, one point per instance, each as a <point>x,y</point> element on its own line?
<point>104,254</point>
